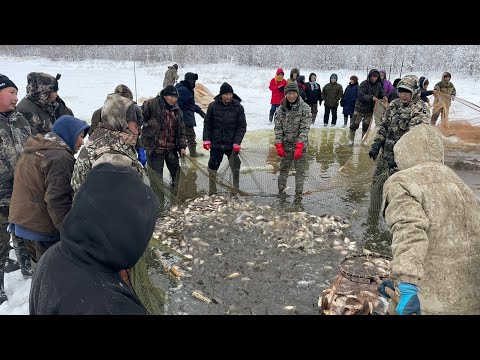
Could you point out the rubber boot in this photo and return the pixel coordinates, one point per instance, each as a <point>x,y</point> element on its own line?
<point>193,151</point>
<point>212,182</point>
<point>236,178</point>
<point>3,296</point>
<point>25,262</point>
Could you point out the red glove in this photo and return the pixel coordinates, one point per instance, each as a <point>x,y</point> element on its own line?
<point>236,147</point>
<point>280,150</point>
<point>298,150</point>
<point>206,145</point>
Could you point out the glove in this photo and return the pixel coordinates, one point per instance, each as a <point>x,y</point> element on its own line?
<point>298,150</point>
<point>281,88</point>
<point>142,156</point>
<point>409,303</point>
<point>374,151</point>
<point>202,114</point>
<point>236,147</point>
<point>453,97</point>
<point>206,145</point>
<point>381,288</point>
<point>280,150</point>
<point>392,164</point>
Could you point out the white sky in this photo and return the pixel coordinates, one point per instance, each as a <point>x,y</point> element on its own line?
<point>84,86</point>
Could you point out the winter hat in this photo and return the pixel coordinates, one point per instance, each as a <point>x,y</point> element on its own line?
<point>5,82</point>
<point>124,91</point>
<point>334,76</point>
<point>191,76</point>
<point>175,66</point>
<point>68,128</point>
<point>169,90</point>
<point>446,73</point>
<point>291,87</point>
<point>395,82</point>
<point>354,78</point>
<point>226,88</point>
<point>280,71</point>
<point>42,81</point>
<point>408,83</point>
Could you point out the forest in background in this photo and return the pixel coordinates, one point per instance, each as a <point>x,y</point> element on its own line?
<point>453,58</point>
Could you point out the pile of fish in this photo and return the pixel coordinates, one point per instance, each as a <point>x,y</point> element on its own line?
<point>196,230</point>
<point>354,290</point>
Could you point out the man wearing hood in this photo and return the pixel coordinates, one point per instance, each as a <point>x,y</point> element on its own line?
<point>331,94</point>
<point>114,140</point>
<point>186,102</point>
<point>401,115</point>
<point>435,221</point>
<point>444,99</point>
<point>14,132</point>
<point>171,76</point>
<point>223,130</point>
<point>42,106</point>
<point>292,126</point>
<point>42,194</point>
<point>107,230</point>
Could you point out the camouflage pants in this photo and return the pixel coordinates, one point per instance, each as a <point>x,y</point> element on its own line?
<point>358,117</point>
<point>436,115</point>
<point>190,135</point>
<point>376,190</point>
<point>314,110</point>
<point>300,167</point>
<point>4,236</point>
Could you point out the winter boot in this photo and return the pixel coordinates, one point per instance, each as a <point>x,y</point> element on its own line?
<point>345,121</point>
<point>270,118</point>
<point>193,151</point>
<point>3,296</point>
<point>11,265</point>
<point>212,182</point>
<point>352,137</point>
<point>25,262</point>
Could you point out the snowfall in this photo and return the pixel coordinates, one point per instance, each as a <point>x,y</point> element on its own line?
<point>84,86</point>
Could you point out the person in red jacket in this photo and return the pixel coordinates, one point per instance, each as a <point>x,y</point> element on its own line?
<point>277,85</point>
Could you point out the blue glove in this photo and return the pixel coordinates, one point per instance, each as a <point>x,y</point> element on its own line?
<point>142,156</point>
<point>409,303</point>
<point>381,288</point>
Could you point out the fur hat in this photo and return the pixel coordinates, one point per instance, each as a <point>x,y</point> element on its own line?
<point>191,76</point>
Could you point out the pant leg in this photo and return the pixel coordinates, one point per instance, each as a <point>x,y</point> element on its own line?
<point>216,157</point>
<point>4,236</point>
<point>326,115</point>
<point>300,169</point>
<point>156,162</point>
<point>285,165</point>
<point>367,119</point>
<point>334,115</point>
<point>173,166</point>
<point>314,109</point>
<point>435,116</point>
<point>355,121</point>
<point>273,108</point>
<point>190,135</point>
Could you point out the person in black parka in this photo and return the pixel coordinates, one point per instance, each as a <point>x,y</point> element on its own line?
<point>107,230</point>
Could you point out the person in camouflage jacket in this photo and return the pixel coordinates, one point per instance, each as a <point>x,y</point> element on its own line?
<point>292,125</point>
<point>401,115</point>
<point>14,132</point>
<point>42,106</point>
